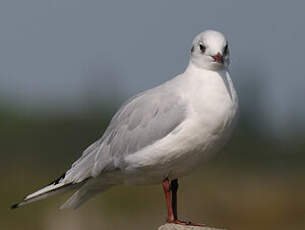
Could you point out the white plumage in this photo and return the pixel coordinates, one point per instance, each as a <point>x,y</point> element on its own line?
<point>165,132</point>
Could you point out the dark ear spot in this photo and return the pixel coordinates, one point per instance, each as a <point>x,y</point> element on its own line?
<point>225,50</point>
<point>192,50</point>
<point>202,48</point>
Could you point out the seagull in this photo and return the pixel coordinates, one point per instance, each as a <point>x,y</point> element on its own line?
<point>161,134</point>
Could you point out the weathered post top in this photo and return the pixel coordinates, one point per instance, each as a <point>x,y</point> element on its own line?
<point>182,227</point>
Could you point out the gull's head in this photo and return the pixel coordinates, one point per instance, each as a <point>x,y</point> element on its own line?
<point>210,50</point>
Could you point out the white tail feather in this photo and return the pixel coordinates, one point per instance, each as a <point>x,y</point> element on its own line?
<point>45,192</point>
<point>85,192</point>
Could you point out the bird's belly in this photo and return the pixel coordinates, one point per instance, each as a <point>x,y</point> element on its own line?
<point>207,142</point>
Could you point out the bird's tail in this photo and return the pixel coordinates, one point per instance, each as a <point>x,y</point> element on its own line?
<point>85,193</point>
<point>51,189</point>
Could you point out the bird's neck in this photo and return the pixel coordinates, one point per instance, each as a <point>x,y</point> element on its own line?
<point>194,70</point>
<point>200,77</point>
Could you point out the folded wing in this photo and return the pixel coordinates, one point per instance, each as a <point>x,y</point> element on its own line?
<point>141,121</point>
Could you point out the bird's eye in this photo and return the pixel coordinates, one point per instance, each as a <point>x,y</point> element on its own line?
<point>225,50</point>
<point>202,48</point>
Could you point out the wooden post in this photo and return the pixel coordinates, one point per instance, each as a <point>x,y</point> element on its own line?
<point>182,227</point>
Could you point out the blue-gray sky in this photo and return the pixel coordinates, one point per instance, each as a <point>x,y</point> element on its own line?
<point>54,52</point>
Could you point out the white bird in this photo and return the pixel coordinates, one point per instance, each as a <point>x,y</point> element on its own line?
<point>160,134</point>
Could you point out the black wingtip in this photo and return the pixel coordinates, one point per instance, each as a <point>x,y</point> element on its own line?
<point>58,179</point>
<point>14,206</point>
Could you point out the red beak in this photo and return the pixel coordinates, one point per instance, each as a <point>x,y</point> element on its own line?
<point>218,58</point>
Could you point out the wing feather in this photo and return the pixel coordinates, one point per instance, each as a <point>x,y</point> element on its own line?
<point>141,121</point>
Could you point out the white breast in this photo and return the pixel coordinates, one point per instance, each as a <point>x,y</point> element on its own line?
<point>213,103</point>
<point>212,108</point>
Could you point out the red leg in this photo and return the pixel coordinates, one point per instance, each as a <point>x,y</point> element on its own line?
<point>166,188</point>
<point>171,202</point>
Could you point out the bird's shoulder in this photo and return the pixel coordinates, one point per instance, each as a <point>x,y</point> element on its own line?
<point>159,108</point>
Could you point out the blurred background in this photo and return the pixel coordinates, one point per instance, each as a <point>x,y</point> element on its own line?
<point>67,65</point>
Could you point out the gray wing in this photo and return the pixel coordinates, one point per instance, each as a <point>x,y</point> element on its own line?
<point>142,120</point>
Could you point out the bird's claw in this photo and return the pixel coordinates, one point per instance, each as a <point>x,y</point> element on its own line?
<point>186,223</point>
